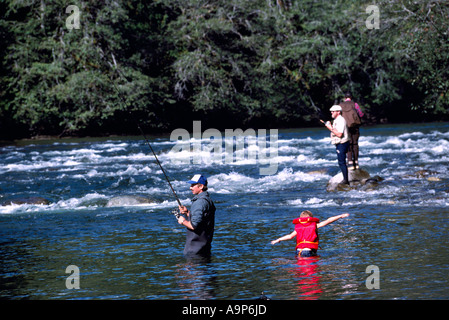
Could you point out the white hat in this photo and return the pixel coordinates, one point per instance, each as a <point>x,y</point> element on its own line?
<point>198,178</point>
<point>335,107</point>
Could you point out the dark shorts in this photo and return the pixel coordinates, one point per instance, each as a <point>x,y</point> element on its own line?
<point>306,252</point>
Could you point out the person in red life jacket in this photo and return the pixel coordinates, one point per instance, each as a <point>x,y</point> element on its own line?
<point>306,233</point>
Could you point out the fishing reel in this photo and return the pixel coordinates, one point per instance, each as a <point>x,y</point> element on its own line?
<point>176,213</point>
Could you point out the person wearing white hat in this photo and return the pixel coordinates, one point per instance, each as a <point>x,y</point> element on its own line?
<point>200,220</point>
<point>339,138</point>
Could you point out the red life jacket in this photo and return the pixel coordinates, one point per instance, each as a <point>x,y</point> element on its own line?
<point>306,232</point>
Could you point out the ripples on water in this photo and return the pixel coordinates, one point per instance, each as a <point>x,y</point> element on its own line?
<point>135,252</point>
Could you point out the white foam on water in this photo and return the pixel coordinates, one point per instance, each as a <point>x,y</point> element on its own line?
<point>313,202</point>
<point>395,158</point>
<point>15,208</point>
<point>38,165</point>
<point>311,161</point>
<point>234,181</point>
<point>88,201</point>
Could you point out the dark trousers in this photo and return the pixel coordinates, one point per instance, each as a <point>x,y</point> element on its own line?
<point>306,253</point>
<point>353,152</point>
<point>342,149</point>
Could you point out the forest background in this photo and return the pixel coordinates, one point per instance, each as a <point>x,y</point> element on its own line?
<point>229,63</point>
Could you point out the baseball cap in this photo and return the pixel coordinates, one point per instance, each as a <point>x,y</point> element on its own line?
<point>335,107</point>
<point>198,178</point>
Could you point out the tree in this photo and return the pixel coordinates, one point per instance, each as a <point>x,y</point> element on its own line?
<point>261,63</point>
<point>63,81</point>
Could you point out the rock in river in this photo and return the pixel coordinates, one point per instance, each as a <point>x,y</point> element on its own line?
<point>357,177</point>
<point>128,201</point>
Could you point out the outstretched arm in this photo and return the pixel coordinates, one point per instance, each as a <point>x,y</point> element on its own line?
<point>286,237</point>
<point>331,219</point>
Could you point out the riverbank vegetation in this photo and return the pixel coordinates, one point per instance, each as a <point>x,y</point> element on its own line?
<point>229,63</point>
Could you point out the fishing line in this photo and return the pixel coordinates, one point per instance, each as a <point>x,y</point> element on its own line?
<point>138,126</point>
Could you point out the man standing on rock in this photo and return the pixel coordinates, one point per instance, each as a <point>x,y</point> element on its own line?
<point>339,138</point>
<point>200,220</point>
<point>353,115</point>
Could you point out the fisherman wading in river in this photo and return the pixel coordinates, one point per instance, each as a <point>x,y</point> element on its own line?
<point>200,220</point>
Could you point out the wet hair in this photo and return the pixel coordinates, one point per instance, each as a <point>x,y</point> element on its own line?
<point>306,213</point>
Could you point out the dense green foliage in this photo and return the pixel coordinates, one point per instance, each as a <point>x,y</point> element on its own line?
<point>232,63</point>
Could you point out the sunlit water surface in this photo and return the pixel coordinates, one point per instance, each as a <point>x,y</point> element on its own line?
<point>135,252</point>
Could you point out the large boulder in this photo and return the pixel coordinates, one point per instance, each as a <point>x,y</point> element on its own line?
<point>121,201</point>
<point>356,178</point>
<point>353,175</point>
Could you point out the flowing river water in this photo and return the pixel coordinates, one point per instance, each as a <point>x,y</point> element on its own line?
<point>392,246</point>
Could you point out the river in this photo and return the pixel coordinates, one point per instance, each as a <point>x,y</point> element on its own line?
<point>392,246</point>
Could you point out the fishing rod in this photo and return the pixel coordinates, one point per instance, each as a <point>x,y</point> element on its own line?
<point>316,113</point>
<point>143,134</point>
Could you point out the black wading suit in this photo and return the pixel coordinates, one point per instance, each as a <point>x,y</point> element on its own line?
<point>202,218</point>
